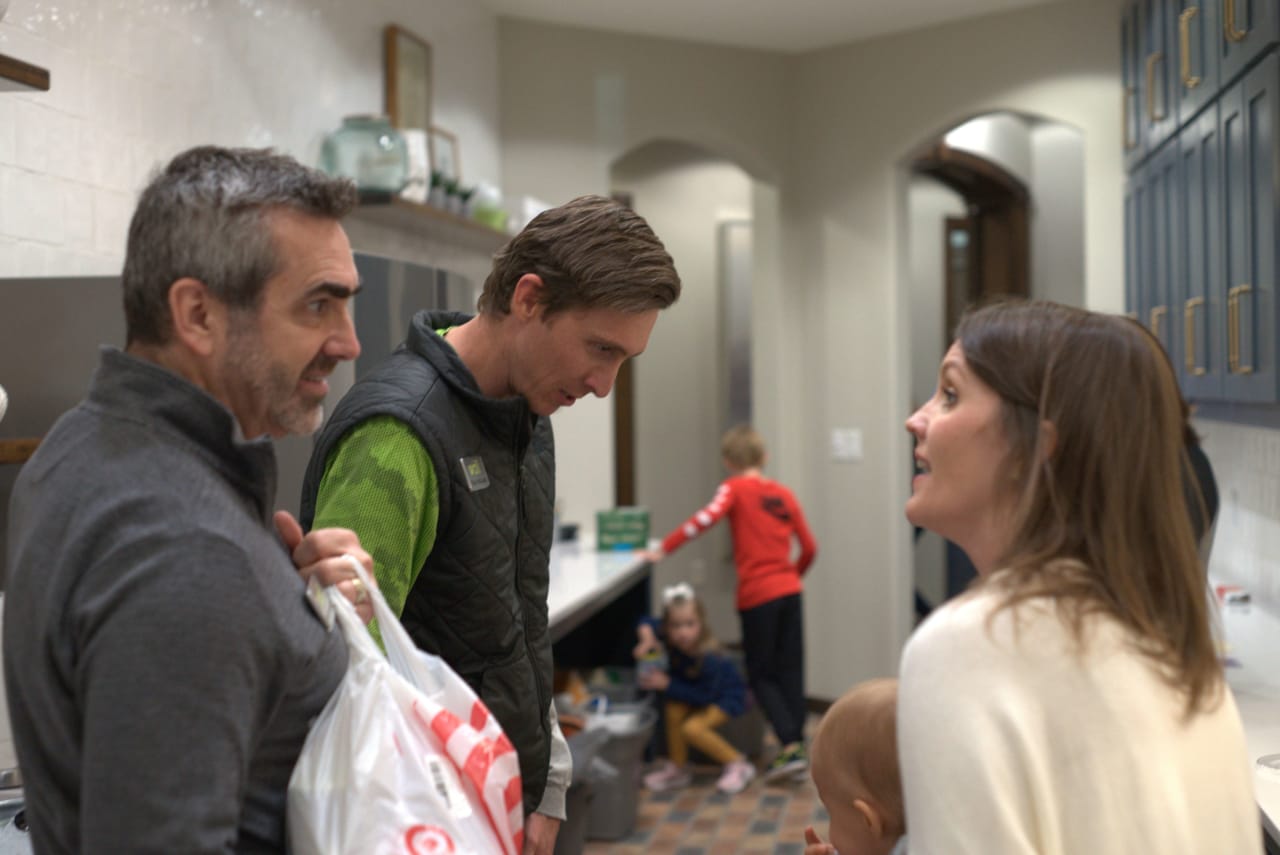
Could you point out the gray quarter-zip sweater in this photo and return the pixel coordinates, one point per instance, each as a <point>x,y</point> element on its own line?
<point>161,660</point>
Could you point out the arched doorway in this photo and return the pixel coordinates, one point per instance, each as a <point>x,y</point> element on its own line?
<point>987,251</point>
<point>995,205</point>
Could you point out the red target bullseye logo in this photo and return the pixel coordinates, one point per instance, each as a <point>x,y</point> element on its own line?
<point>428,840</point>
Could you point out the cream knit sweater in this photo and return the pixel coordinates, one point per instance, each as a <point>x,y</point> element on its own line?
<point>1013,741</point>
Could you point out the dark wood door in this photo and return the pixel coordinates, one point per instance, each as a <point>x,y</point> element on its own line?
<point>988,252</point>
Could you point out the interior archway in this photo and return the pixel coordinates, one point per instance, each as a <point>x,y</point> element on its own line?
<point>1007,150</point>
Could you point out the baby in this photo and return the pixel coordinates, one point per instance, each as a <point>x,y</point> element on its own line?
<point>854,760</point>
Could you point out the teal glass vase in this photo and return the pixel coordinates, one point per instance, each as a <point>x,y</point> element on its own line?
<point>369,150</point>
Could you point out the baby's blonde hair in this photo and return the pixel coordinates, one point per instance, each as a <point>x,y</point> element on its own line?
<point>858,736</point>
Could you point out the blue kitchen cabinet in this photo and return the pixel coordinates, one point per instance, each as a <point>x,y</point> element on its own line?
<point>1151,203</point>
<point>1159,210</point>
<point>1201,99</point>
<point>1246,29</point>
<point>1248,114</point>
<point>1198,265</point>
<point>1130,65</point>
<point>1197,32</point>
<point>1132,277</point>
<point>1158,50</point>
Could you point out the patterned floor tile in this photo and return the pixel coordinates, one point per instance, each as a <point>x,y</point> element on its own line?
<point>767,819</point>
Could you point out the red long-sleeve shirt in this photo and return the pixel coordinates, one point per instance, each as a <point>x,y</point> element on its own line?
<point>763,517</point>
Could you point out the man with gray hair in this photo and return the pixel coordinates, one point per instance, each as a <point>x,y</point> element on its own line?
<point>162,660</point>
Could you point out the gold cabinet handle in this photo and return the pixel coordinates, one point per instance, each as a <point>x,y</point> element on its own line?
<point>1234,364</point>
<point>1184,37</point>
<point>1157,315</point>
<point>1158,56</point>
<point>1231,330</point>
<point>1189,324</point>
<point>1241,366</point>
<point>1229,23</point>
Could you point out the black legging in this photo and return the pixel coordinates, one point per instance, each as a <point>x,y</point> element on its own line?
<point>773,648</point>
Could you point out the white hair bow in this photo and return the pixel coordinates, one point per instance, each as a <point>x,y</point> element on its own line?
<point>683,591</point>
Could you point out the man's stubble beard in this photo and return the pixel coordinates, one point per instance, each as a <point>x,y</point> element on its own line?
<point>250,365</point>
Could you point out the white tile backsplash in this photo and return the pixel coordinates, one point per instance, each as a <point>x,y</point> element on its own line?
<point>111,212</point>
<point>1246,545</point>
<point>33,130</point>
<point>136,81</point>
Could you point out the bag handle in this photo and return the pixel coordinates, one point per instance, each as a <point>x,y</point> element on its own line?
<point>359,642</point>
<point>401,651</point>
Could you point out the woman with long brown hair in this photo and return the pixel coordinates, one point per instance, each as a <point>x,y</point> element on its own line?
<point>1072,700</point>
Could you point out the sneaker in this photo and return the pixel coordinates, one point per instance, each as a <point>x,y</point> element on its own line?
<point>735,777</point>
<point>668,776</point>
<point>790,761</point>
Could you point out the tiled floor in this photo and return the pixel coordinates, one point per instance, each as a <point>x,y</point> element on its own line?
<point>764,818</point>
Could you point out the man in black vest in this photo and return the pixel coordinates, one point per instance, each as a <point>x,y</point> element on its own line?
<point>442,460</point>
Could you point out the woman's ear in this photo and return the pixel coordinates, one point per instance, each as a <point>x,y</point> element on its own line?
<point>870,814</point>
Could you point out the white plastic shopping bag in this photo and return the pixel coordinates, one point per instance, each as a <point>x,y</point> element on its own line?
<point>404,758</point>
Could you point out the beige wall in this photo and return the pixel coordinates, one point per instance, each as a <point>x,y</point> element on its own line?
<point>929,203</point>
<point>830,131</point>
<point>685,193</point>
<point>576,101</point>
<point>859,110</point>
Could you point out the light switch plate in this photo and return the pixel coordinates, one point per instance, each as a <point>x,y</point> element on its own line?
<point>846,445</point>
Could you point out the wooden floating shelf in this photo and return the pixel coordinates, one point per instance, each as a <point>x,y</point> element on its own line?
<point>19,76</point>
<point>386,209</point>
<point>17,450</point>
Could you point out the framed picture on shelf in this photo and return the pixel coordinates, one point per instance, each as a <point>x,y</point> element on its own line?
<point>443,146</point>
<point>407,83</point>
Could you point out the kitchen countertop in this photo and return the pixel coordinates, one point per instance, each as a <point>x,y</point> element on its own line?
<point>1252,635</point>
<point>584,580</point>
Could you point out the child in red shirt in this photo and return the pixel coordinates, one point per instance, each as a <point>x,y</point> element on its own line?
<point>764,520</point>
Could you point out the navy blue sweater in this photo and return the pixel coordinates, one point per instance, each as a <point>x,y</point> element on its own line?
<point>705,680</point>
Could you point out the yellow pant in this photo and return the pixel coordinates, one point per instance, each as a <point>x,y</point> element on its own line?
<point>696,726</point>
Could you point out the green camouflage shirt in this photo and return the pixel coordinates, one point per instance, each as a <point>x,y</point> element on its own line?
<point>380,482</point>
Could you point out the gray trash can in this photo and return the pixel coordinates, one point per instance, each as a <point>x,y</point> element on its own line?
<point>614,802</point>
<point>589,772</point>
<point>618,685</point>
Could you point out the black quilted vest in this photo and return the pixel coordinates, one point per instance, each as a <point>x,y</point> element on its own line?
<point>480,601</point>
